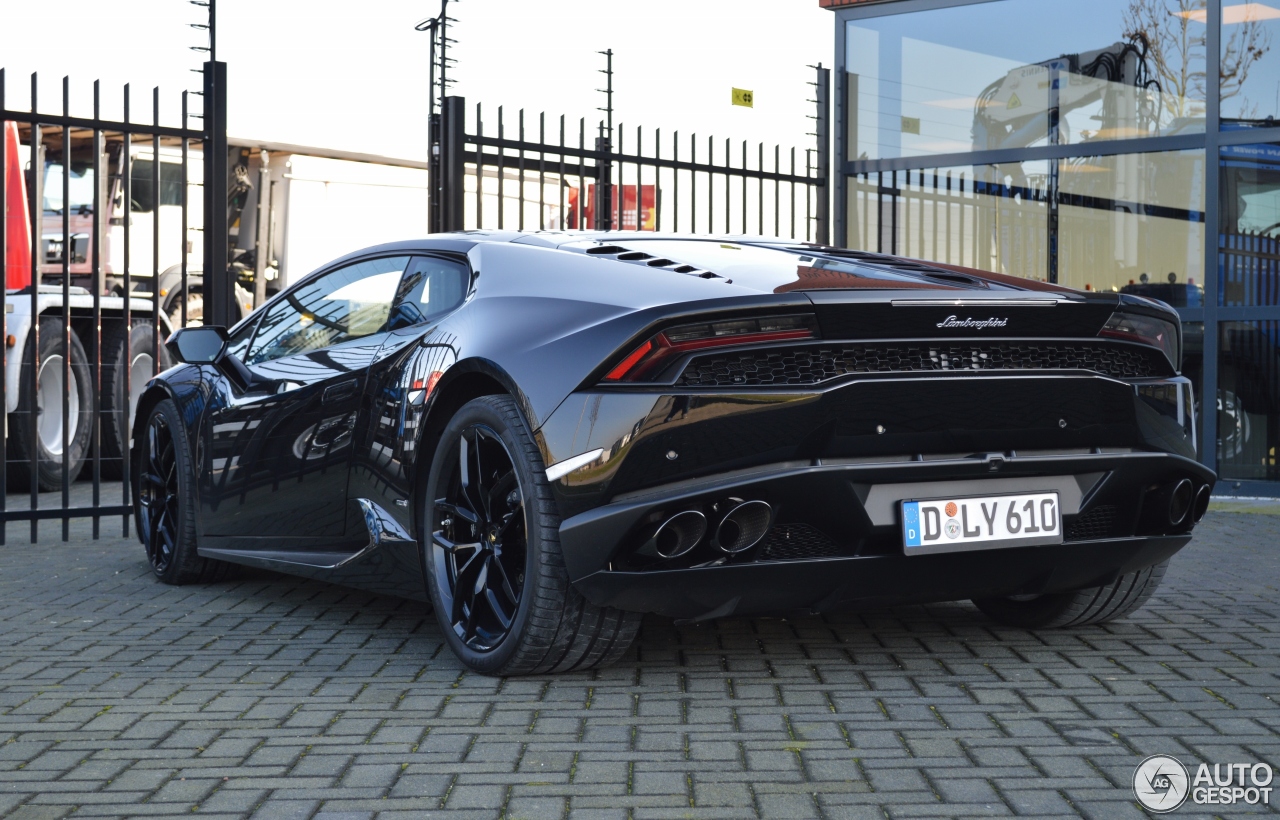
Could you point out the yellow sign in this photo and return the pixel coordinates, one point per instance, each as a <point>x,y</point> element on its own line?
<point>1014,102</point>
<point>743,97</point>
<point>911,125</point>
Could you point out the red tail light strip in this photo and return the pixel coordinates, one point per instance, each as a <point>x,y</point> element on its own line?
<point>649,356</point>
<point>626,364</point>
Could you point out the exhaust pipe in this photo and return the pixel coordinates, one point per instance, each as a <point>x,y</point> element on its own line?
<point>1180,500</point>
<point>679,533</point>
<point>744,526</point>
<point>1202,503</point>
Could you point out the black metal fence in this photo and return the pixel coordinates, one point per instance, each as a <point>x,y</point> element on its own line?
<point>95,210</point>
<point>525,173</point>
<point>106,204</point>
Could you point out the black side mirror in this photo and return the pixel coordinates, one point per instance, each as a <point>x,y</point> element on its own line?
<point>198,345</point>
<point>207,344</point>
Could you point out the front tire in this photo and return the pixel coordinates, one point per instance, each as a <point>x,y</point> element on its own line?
<point>1082,607</point>
<point>495,572</point>
<point>164,495</point>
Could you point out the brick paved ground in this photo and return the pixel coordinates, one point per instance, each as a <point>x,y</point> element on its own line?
<point>274,697</point>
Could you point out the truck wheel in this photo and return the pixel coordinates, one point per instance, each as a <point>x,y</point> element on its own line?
<point>164,495</point>
<point>195,309</point>
<point>40,416</point>
<point>1080,608</point>
<point>124,376</point>
<point>491,540</point>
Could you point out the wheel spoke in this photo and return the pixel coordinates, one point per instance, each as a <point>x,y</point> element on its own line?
<point>154,539</point>
<point>479,480</point>
<point>500,489</point>
<point>496,607</point>
<point>464,469</point>
<point>458,510</point>
<point>469,627</point>
<point>496,568</point>
<point>153,448</point>
<point>451,546</point>
<point>464,587</point>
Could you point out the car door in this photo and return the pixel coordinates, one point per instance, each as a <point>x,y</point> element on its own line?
<point>280,452</point>
<point>414,355</point>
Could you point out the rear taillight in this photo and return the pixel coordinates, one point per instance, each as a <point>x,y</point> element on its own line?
<point>1135,327</point>
<point>650,356</point>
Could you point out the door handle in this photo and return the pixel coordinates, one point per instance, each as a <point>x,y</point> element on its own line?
<point>340,391</point>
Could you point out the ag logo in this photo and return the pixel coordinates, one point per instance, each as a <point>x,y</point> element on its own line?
<point>1161,783</point>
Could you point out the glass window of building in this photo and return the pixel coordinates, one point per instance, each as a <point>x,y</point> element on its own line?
<point>1250,79</point>
<point>1249,247</point>
<point>1131,223</point>
<point>1065,141</point>
<point>1020,73</point>
<point>1249,400</point>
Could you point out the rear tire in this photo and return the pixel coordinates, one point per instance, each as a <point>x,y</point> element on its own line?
<point>42,414</point>
<point>164,495</point>
<point>491,543</point>
<point>126,369</point>
<point>1079,608</point>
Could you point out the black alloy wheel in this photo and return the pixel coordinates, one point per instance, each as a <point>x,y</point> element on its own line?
<point>480,542</point>
<point>491,551</point>
<point>164,482</point>
<point>158,495</point>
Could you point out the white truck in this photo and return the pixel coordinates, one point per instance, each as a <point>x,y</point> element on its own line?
<point>125,343</point>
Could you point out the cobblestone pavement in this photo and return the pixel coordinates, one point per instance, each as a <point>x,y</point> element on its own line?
<point>274,697</point>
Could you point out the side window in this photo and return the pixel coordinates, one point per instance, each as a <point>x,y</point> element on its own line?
<point>433,287</point>
<point>344,304</point>
<point>171,184</point>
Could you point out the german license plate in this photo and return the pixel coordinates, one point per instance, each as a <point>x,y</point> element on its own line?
<point>987,522</point>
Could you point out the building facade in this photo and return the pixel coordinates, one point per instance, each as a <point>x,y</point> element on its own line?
<point>1124,145</point>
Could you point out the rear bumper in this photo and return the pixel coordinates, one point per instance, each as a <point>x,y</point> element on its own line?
<point>871,581</point>
<point>1110,504</point>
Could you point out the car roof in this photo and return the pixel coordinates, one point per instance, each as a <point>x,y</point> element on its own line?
<point>763,263</point>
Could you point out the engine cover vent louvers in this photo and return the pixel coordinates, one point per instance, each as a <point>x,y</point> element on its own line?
<point>813,364</point>
<point>640,257</point>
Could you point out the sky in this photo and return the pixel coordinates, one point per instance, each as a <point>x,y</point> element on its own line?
<point>352,76</point>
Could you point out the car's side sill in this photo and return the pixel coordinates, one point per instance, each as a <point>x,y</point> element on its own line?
<point>381,526</point>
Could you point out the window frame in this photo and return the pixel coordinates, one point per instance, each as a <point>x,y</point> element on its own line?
<point>468,286</point>
<point>286,295</point>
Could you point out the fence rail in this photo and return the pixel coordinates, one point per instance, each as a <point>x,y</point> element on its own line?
<point>1250,264</point>
<point>82,316</point>
<point>519,175</point>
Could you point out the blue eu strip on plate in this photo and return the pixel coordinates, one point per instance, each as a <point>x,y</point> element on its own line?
<point>911,523</point>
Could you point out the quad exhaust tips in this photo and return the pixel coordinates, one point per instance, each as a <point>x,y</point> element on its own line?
<point>679,533</point>
<point>743,526</point>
